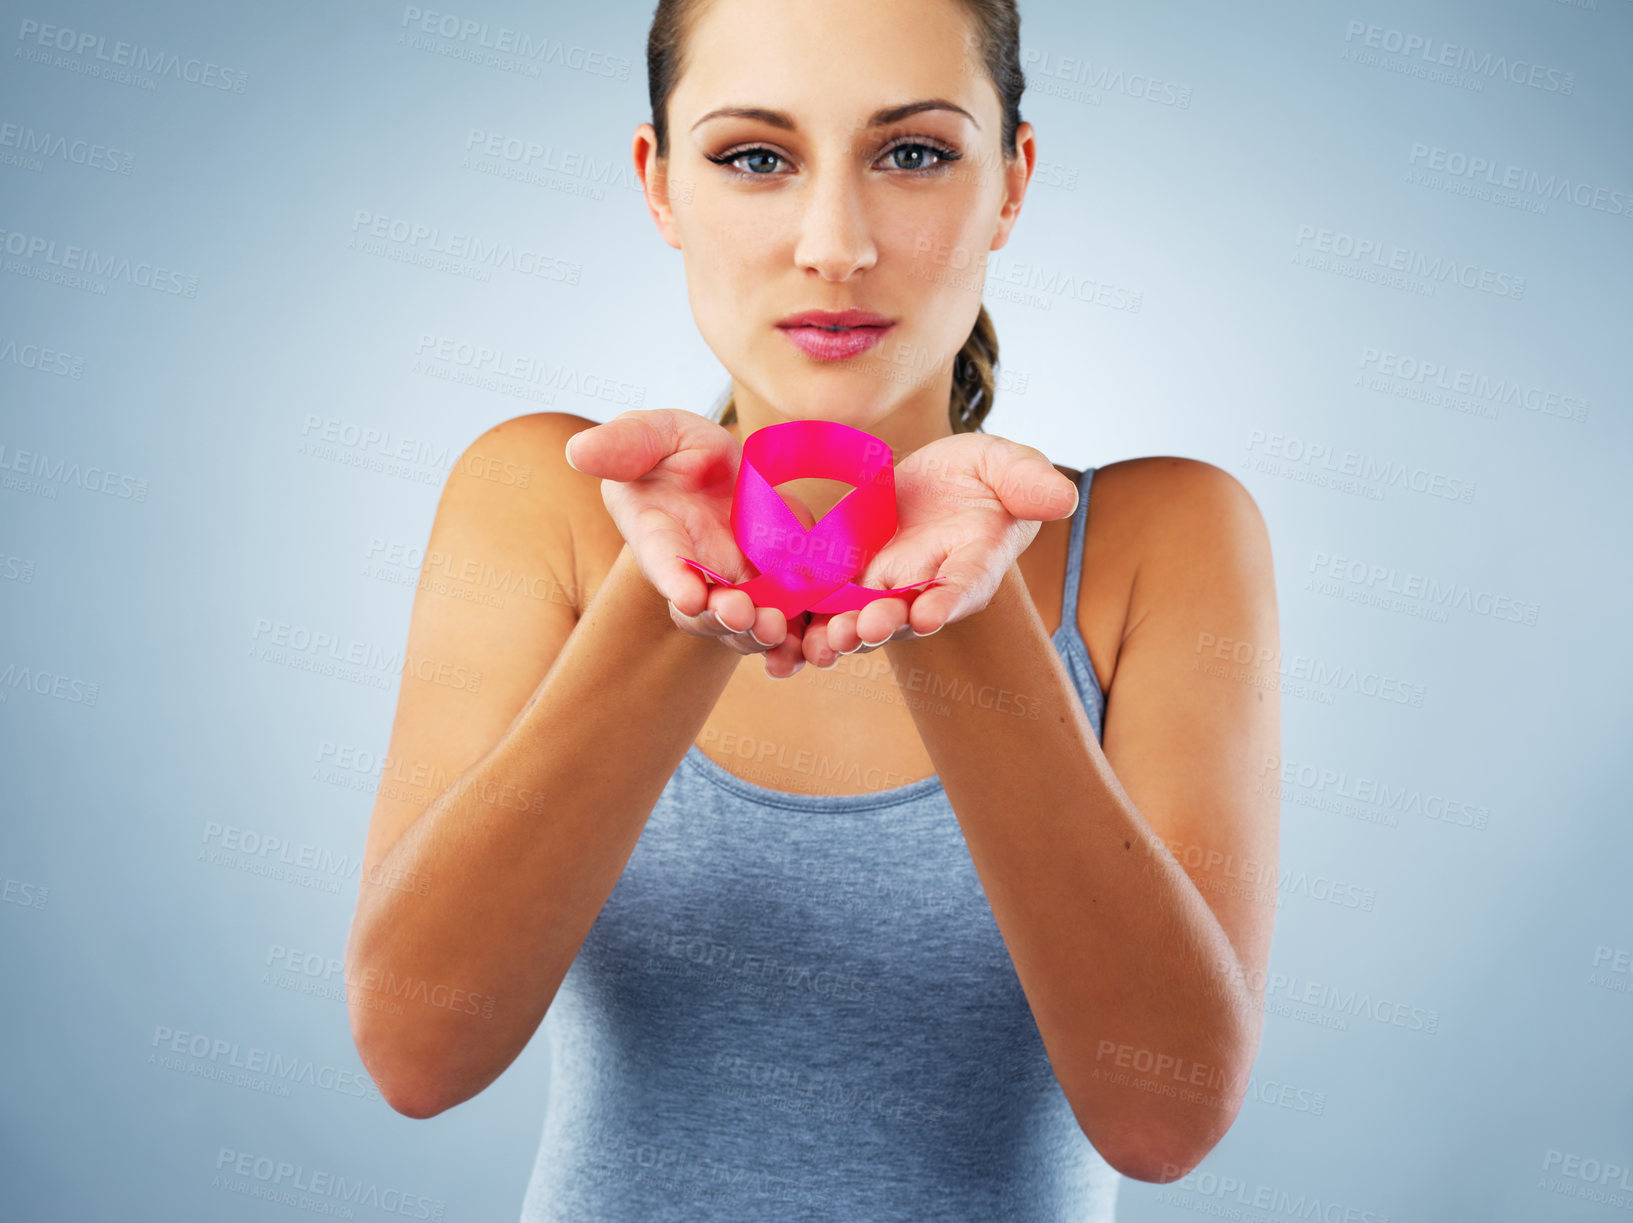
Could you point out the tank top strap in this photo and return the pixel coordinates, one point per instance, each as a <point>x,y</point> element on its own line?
<point>1074,551</point>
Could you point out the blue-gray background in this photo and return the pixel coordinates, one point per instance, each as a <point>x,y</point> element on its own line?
<point>1185,280</point>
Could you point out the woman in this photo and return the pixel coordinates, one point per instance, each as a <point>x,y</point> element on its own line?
<point>945,932</point>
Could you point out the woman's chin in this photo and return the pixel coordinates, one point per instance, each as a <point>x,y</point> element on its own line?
<point>836,410</point>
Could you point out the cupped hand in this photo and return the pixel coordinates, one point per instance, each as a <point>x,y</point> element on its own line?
<point>966,507</point>
<point>667,480</point>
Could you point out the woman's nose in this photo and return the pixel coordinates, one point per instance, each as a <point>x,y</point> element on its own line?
<point>835,234</point>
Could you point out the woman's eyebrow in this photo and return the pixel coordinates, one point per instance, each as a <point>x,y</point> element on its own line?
<point>889,114</point>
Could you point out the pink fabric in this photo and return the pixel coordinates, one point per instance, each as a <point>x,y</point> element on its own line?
<point>802,570</point>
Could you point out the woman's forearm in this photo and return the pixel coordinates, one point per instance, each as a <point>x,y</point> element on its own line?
<point>1114,945</point>
<point>507,895</point>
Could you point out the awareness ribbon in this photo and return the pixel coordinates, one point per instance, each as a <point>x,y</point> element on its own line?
<point>802,570</point>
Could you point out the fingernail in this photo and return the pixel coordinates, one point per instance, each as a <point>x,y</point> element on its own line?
<point>757,641</point>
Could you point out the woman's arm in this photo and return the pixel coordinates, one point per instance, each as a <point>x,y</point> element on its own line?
<point>510,804</point>
<point>1144,975</point>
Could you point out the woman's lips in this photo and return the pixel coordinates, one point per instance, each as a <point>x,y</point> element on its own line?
<point>836,344</point>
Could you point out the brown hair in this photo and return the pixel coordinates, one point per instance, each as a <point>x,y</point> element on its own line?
<point>997,36</point>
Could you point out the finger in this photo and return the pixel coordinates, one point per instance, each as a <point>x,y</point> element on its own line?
<point>762,628</point>
<point>709,622</point>
<point>817,644</point>
<point>868,628</point>
<point>627,446</point>
<point>660,543</point>
<point>1028,484</point>
<point>785,659</point>
<point>768,631</point>
<point>842,635</point>
<point>879,621</point>
<point>964,585</point>
<point>735,609</point>
<point>770,628</point>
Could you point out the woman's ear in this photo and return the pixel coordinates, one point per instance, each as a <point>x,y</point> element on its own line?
<point>653,172</point>
<point>1017,174</point>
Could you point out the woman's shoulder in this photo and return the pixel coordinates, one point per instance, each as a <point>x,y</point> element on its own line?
<point>1140,502</point>
<point>530,432</point>
<point>528,454</point>
<point>1155,516</point>
<point>1162,499</point>
<point>519,493</point>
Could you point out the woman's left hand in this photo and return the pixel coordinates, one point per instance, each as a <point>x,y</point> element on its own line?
<point>966,507</point>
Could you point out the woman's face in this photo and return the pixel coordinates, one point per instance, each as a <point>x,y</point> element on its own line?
<point>833,209</point>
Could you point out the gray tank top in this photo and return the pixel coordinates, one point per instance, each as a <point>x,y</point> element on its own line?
<point>799,1006</point>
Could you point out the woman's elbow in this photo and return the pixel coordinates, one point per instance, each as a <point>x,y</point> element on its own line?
<point>401,1081</point>
<point>1159,1158</point>
<point>1167,1141</point>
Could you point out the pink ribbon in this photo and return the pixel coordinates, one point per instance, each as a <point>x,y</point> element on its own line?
<point>802,570</point>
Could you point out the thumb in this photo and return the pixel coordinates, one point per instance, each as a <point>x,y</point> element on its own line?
<point>1031,489</point>
<point>627,446</point>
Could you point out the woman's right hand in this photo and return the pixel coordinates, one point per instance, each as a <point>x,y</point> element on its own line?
<point>667,480</point>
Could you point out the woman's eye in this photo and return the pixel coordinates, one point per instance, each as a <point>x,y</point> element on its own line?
<point>730,160</point>
<point>761,161</point>
<point>760,155</point>
<point>920,152</point>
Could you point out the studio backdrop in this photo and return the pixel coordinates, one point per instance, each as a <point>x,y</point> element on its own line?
<point>269,269</point>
